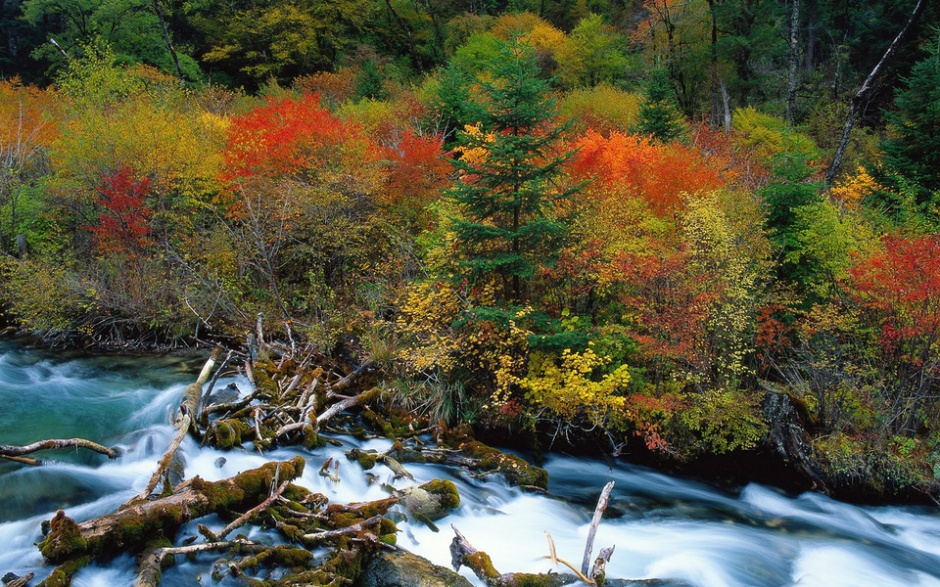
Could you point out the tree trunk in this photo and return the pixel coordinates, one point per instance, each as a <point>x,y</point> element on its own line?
<point>792,81</point>
<point>860,98</point>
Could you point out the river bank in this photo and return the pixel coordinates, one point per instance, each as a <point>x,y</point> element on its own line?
<point>786,458</point>
<point>664,527</point>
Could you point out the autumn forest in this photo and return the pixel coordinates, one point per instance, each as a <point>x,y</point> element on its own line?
<point>690,231</point>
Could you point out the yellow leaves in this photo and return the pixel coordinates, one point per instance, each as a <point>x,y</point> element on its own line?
<point>768,136</point>
<point>475,155</point>
<point>567,386</point>
<point>852,190</point>
<point>426,317</point>
<point>178,147</point>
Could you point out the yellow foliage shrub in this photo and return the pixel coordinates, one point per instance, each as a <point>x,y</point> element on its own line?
<point>427,318</point>
<point>568,386</point>
<point>853,189</point>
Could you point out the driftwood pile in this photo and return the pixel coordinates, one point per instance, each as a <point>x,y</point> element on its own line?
<point>295,396</point>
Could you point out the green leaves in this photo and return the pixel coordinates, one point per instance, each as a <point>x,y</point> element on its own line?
<point>511,187</point>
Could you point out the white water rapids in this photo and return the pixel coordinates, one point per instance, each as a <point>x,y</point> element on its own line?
<point>663,527</point>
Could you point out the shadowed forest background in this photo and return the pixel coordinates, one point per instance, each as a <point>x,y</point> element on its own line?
<point>615,220</point>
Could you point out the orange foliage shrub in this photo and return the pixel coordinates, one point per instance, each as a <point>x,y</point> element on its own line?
<point>291,136</point>
<point>417,170</point>
<point>333,87</point>
<point>26,120</point>
<point>661,174</point>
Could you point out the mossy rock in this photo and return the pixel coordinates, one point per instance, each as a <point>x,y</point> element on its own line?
<point>64,539</point>
<point>365,458</point>
<point>228,433</point>
<point>403,569</point>
<point>516,469</point>
<point>432,500</point>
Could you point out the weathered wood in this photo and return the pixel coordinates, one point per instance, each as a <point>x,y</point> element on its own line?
<point>150,569</point>
<point>599,570</point>
<point>187,412</point>
<point>318,538</point>
<point>553,556</point>
<point>347,403</point>
<point>129,529</point>
<point>242,519</point>
<point>602,502</point>
<point>22,460</point>
<point>12,451</point>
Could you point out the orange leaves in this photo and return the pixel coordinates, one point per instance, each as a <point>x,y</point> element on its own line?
<point>289,136</point>
<point>660,174</point>
<point>417,171</point>
<point>26,122</point>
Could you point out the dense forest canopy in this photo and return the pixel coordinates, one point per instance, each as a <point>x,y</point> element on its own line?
<point>604,218</point>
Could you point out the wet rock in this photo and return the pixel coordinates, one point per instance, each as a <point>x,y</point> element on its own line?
<point>432,500</point>
<point>403,569</point>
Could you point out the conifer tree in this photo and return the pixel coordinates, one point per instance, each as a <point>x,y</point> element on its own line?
<point>659,116</point>
<point>510,197</point>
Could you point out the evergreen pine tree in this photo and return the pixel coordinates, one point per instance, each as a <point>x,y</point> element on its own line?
<point>509,198</point>
<point>659,116</point>
<point>912,153</point>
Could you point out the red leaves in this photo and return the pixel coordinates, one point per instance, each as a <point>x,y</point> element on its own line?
<point>124,223</point>
<point>418,169</point>
<point>902,285</point>
<point>671,305</point>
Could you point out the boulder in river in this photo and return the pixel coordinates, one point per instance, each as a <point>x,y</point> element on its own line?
<point>402,569</point>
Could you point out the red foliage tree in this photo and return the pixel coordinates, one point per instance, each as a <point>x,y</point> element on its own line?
<point>289,136</point>
<point>900,288</point>
<point>418,170</point>
<point>670,304</point>
<point>124,222</point>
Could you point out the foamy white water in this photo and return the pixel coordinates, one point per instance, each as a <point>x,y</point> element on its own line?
<point>663,527</point>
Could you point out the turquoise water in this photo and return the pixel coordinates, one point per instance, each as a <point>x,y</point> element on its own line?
<point>663,527</point>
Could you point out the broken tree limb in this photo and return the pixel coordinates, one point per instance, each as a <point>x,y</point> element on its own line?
<point>22,460</point>
<point>185,419</point>
<point>314,539</point>
<point>858,101</point>
<point>242,519</point>
<point>464,554</point>
<point>602,502</point>
<point>349,379</point>
<point>344,405</point>
<point>150,570</point>
<point>599,570</point>
<point>553,556</point>
<point>12,452</point>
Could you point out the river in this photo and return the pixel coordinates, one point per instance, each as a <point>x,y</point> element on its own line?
<point>663,527</point>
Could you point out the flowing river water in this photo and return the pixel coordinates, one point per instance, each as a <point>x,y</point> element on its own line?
<point>663,527</point>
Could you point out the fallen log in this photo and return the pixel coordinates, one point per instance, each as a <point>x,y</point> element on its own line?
<point>73,545</point>
<point>185,419</point>
<point>15,453</point>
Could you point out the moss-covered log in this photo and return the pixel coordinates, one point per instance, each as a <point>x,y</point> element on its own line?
<point>132,528</point>
<point>472,455</point>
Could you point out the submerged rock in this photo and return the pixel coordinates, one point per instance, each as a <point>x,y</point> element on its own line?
<point>403,569</point>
